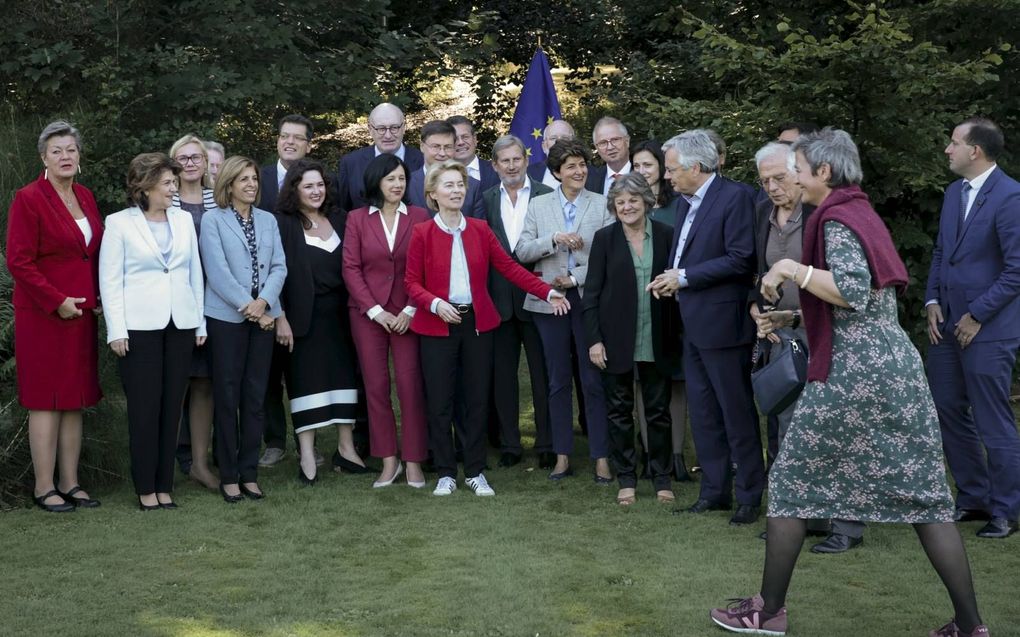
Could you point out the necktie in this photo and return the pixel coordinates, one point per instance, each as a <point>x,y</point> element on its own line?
<point>964,199</point>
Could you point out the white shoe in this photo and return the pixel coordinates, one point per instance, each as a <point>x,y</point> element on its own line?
<point>480,485</point>
<point>445,486</point>
<point>378,484</point>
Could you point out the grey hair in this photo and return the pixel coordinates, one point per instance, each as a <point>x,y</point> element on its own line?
<point>720,143</point>
<point>694,147</point>
<point>776,148</point>
<point>630,184</point>
<point>834,147</point>
<point>59,128</point>
<point>218,147</point>
<point>608,121</point>
<point>506,141</point>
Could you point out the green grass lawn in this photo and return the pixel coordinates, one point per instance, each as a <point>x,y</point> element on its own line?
<point>543,559</point>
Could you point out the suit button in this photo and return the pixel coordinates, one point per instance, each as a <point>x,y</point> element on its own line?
<point>262,266</point>
<point>165,271</point>
<point>84,257</point>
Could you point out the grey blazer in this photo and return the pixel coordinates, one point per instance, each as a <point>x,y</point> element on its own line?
<point>228,264</point>
<point>544,219</point>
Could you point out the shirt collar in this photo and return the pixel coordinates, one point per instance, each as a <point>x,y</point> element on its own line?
<point>474,164</point>
<point>563,197</point>
<point>442,226</point>
<point>526,188</point>
<point>401,208</point>
<point>281,171</point>
<point>980,180</point>
<point>398,152</point>
<point>798,212</point>
<point>623,171</point>
<point>700,193</point>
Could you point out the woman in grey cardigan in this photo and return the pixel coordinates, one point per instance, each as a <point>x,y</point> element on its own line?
<point>245,268</point>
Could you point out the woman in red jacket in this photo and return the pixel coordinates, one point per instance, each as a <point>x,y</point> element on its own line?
<point>447,279</point>
<point>53,237</point>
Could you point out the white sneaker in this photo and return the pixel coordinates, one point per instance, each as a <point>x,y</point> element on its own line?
<point>445,486</point>
<point>480,485</point>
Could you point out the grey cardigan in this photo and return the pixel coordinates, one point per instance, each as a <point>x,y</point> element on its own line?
<point>228,264</point>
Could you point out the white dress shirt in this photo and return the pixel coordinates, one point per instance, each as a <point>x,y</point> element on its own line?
<point>473,169</point>
<point>86,229</point>
<point>695,203</point>
<point>391,240</point>
<point>460,283</point>
<point>609,176</point>
<point>513,214</point>
<point>281,172</point>
<point>398,152</point>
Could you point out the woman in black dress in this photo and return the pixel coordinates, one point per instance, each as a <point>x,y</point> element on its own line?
<point>320,373</point>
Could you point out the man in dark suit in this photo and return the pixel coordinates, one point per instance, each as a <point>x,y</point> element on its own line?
<point>466,152</point>
<point>506,206</point>
<point>386,125</point>
<point>438,143</point>
<point>712,263</point>
<point>555,131</point>
<point>974,326</point>
<point>612,141</point>
<point>293,142</point>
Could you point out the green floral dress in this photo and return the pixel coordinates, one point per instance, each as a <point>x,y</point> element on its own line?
<point>865,445</point>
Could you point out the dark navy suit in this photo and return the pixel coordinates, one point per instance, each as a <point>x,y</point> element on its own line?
<point>488,176</point>
<point>537,171</point>
<point>351,180</point>
<point>718,257</point>
<point>596,181</point>
<point>473,206</point>
<point>269,188</point>
<point>976,268</point>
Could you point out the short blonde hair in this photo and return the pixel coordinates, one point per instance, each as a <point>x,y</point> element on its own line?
<point>432,179</point>
<point>191,138</point>
<point>229,172</point>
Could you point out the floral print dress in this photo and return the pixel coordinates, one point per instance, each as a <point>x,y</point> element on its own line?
<point>865,444</point>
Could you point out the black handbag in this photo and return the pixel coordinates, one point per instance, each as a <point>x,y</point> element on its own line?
<point>778,379</point>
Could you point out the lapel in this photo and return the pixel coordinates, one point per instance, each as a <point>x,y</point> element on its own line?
<point>704,210</point>
<point>493,208</point>
<point>583,203</point>
<point>976,209</point>
<point>142,228</point>
<point>60,211</point>
<point>228,220</point>
<point>622,251</point>
<point>374,221</point>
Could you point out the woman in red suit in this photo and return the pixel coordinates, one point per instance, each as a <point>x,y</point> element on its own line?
<point>447,279</point>
<point>53,237</point>
<point>375,253</point>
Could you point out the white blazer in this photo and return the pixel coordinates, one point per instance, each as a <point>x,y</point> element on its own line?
<point>140,290</point>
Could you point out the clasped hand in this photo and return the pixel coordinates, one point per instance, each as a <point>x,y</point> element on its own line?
<point>391,323</point>
<point>664,285</point>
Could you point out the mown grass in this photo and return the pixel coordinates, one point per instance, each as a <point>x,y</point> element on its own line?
<point>538,559</point>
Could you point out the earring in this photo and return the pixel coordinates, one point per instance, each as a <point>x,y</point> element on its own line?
<point>46,173</point>
<point>79,169</point>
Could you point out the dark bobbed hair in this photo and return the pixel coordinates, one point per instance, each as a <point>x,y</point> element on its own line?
<point>295,118</point>
<point>985,133</point>
<point>289,202</point>
<point>563,150</point>
<point>655,148</point>
<point>376,170</point>
<point>144,173</point>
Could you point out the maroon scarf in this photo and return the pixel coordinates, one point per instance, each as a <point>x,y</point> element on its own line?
<point>849,206</point>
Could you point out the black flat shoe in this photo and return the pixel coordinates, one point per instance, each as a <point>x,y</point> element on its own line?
<point>837,543</point>
<point>85,503</point>
<point>566,473</point>
<point>253,495</point>
<point>305,480</point>
<point>703,506</point>
<point>169,506</point>
<point>998,528</point>
<point>63,507</point>
<point>341,464</point>
<point>602,480</point>
<point>148,507</point>
<point>745,514</point>
<point>230,499</point>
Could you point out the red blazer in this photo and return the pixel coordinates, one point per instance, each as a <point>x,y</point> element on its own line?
<point>373,275</point>
<point>428,274</point>
<point>46,252</point>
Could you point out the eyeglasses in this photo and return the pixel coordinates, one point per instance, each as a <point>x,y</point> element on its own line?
<point>778,180</point>
<point>441,148</point>
<point>612,141</point>
<point>286,137</point>
<point>382,130</point>
<point>184,160</point>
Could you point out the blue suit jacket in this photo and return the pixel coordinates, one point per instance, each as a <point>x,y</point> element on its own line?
<point>473,206</point>
<point>975,266</point>
<point>489,177</point>
<point>269,190</point>
<point>719,262</point>
<point>351,174</point>
<point>596,180</point>
<point>537,170</point>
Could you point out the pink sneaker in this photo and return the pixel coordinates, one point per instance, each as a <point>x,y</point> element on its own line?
<point>952,630</point>
<point>748,616</point>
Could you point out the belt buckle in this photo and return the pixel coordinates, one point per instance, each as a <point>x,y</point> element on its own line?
<point>462,308</point>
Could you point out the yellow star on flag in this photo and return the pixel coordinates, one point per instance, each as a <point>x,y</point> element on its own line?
<point>549,120</point>
<point>528,151</point>
<point>536,133</point>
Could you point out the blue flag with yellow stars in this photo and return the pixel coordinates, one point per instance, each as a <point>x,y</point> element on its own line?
<point>537,106</point>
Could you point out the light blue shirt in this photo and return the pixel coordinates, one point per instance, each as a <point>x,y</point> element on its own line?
<point>695,203</point>
<point>460,283</point>
<point>564,202</point>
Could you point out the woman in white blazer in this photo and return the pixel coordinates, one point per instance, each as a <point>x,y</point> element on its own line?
<point>150,280</point>
<point>245,269</point>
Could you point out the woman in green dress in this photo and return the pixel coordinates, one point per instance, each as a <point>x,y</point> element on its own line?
<point>860,447</point>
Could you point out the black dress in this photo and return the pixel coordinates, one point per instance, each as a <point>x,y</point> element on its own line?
<point>199,355</point>
<point>321,374</point>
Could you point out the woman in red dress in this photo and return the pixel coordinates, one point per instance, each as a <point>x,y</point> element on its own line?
<point>53,237</point>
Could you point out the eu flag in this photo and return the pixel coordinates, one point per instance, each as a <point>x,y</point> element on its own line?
<point>537,106</point>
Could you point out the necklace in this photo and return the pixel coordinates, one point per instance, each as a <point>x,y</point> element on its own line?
<point>315,225</point>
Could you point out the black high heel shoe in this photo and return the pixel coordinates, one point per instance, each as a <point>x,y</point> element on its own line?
<point>147,507</point>
<point>63,507</point>
<point>305,480</point>
<point>253,495</point>
<point>230,499</point>
<point>343,464</point>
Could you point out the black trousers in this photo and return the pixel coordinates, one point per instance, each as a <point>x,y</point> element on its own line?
<point>655,393</point>
<point>239,359</point>
<point>507,341</point>
<point>275,415</point>
<point>154,373</point>
<point>441,357</point>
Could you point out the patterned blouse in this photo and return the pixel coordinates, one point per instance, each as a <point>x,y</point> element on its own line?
<point>248,228</point>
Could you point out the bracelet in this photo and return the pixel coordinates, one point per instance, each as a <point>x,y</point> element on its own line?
<point>807,277</point>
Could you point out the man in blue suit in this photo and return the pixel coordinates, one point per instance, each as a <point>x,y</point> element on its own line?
<point>293,142</point>
<point>386,125</point>
<point>713,264</point>
<point>612,141</point>
<point>466,152</point>
<point>438,143</point>
<point>974,327</point>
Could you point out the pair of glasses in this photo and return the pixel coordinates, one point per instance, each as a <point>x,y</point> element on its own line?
<point>778,180</point>
<point>184,160</point>
<point>382,130</point>
<point>612,141</point>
